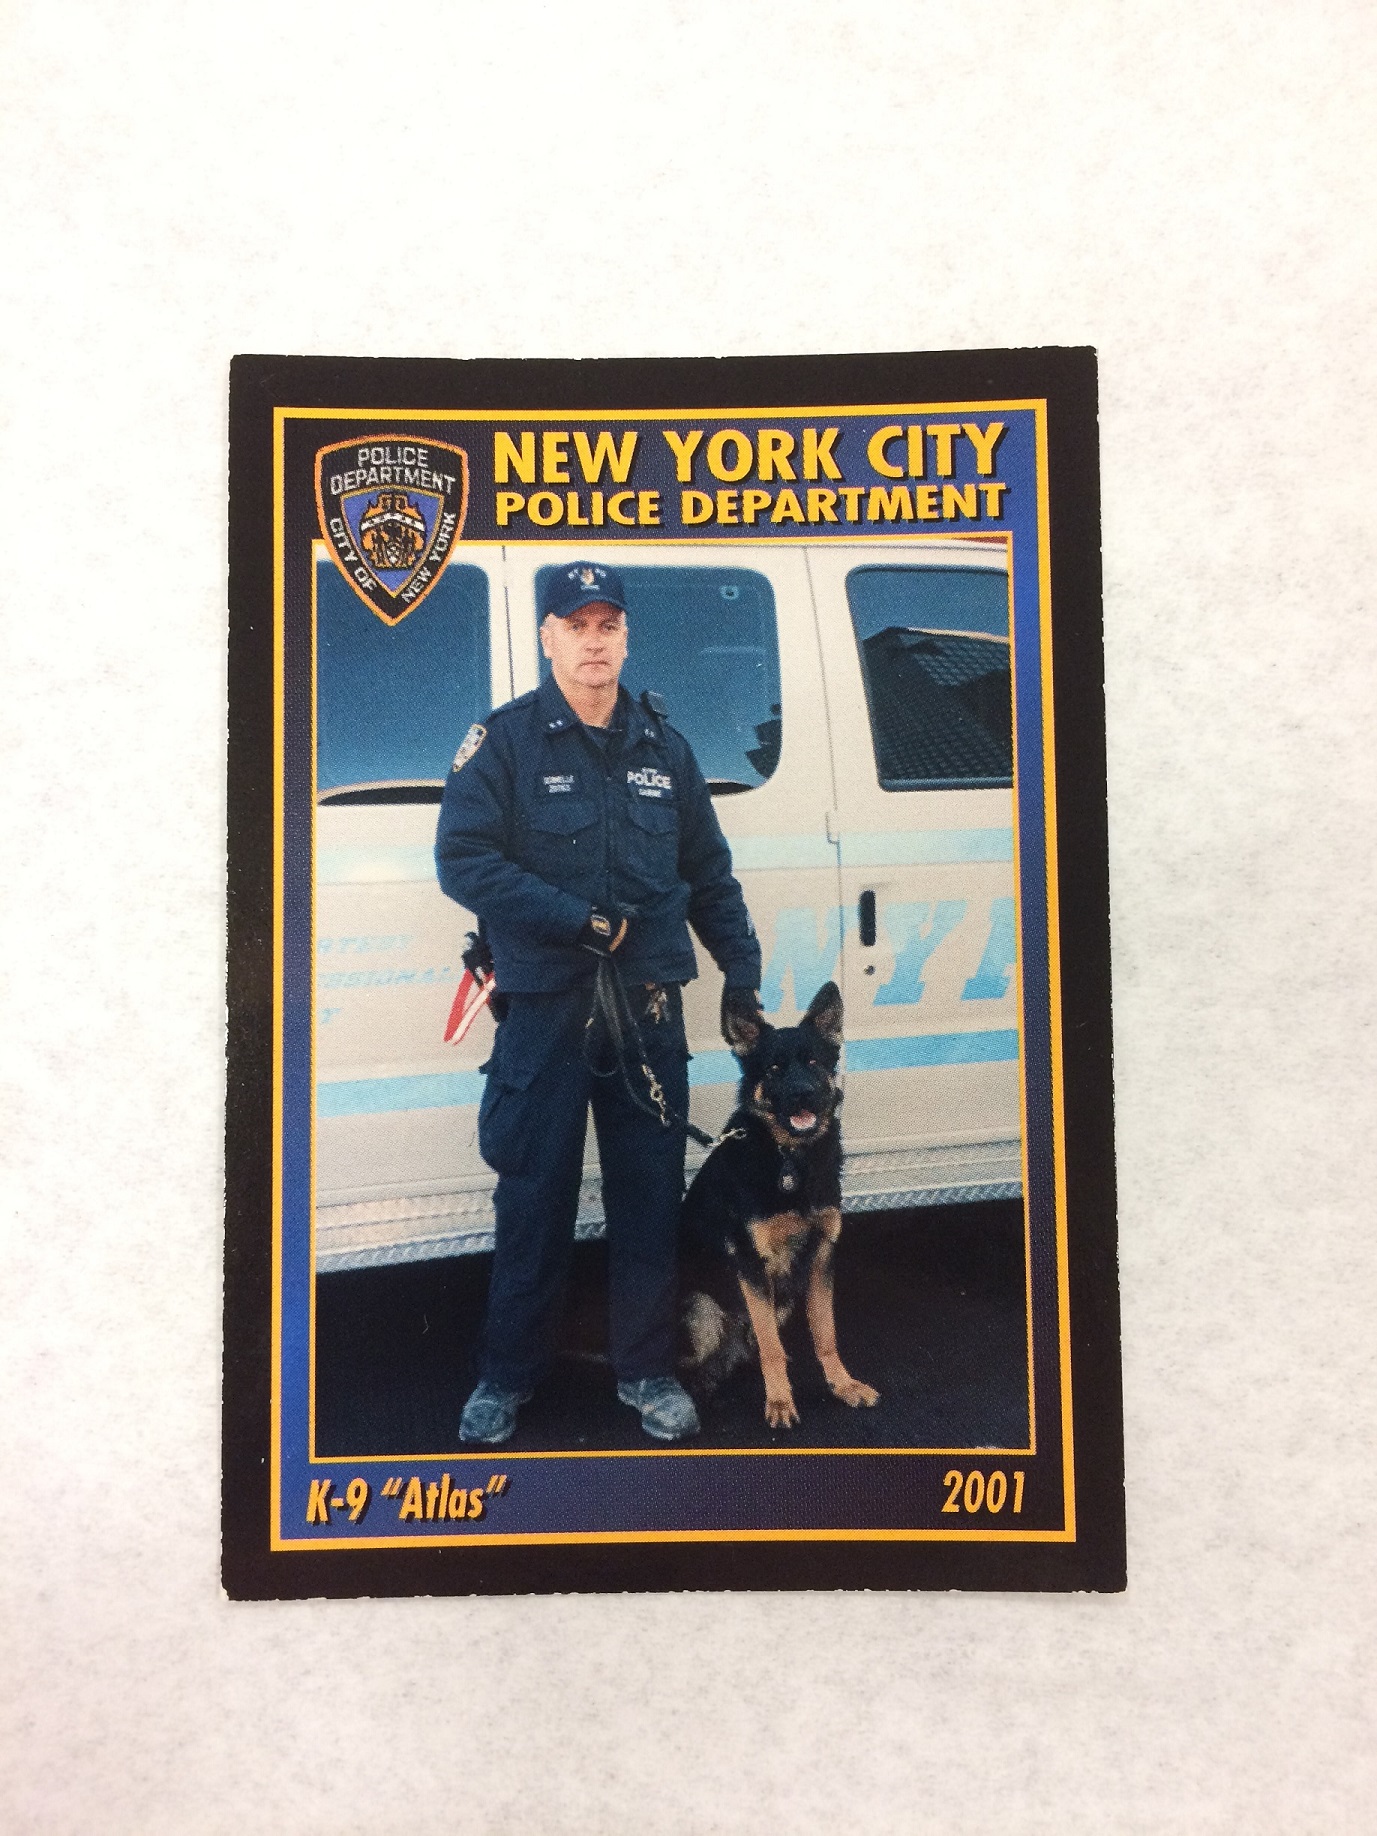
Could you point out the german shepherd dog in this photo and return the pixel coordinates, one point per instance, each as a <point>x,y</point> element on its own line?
<point>766,1207</point>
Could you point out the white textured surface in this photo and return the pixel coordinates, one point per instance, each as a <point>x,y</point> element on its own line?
<point>1190,189</point>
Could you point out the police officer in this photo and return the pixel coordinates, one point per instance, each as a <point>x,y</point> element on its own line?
<point>576,824</point>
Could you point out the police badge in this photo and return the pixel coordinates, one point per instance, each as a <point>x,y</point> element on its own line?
<point>473,739</point>
<point>391,510</point>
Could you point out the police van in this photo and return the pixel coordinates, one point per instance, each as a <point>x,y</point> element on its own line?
<point>850,706</point>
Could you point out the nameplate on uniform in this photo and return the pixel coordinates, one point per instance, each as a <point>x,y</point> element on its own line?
<point>650,783</point>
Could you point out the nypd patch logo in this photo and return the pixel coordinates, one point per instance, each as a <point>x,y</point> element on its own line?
<point>392,509</point>
<point>473,739</point>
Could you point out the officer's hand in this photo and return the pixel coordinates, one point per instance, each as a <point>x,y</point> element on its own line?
<point>741,1017</point>
<point>603,932</point>
<point>477,958</point>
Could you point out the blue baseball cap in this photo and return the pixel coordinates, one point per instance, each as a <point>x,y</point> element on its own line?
<point>583,583</point>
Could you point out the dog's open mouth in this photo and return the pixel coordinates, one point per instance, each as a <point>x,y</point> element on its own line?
<point>803,1121</point>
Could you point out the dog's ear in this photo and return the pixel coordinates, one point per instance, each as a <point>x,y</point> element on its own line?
<point>825,1012</point>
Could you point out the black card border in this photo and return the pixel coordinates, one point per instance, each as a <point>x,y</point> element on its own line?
<point>1066,378</point>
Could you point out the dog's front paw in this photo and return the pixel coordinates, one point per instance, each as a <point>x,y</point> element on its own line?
<point>854,1394</point>
<point>780,1411</point>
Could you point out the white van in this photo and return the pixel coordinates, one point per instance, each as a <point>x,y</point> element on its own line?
<point>850,707</point>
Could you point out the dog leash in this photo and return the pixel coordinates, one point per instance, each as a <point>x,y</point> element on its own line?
<point>612,1006</point>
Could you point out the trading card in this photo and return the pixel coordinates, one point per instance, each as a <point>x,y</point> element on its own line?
<point>669,1134</point>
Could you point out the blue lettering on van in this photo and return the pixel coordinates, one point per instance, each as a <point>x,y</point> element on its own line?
<point>991,979</point>
<point>915,930</point>
<point>385,978</point>
<point>798,954</point>
<point>360,946</point>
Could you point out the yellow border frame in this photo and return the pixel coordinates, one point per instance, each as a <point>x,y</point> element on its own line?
<point>1067,1534</point>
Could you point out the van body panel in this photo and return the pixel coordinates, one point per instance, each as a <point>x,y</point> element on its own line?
<point>932,1086</point>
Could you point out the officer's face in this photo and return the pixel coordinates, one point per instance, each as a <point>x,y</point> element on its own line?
<point>588,648</point>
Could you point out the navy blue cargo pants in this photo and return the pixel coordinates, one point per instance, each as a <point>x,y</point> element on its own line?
<point>545,1069</point>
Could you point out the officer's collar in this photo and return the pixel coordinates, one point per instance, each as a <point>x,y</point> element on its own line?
<point>556,716</point>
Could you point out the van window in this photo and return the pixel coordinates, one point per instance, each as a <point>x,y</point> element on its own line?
<point>705,638</point>
<point>394,701</point>
<point>934,647</point>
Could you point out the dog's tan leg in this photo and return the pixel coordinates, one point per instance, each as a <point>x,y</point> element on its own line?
<point>822,1322</point>
<point>779,1397</point>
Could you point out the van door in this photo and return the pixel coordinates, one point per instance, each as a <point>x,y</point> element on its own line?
<point>915,644</point>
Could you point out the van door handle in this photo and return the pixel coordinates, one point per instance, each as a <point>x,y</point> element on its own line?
<point>866,914</point>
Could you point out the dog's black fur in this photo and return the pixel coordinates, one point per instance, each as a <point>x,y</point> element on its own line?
<point>766,1208</point>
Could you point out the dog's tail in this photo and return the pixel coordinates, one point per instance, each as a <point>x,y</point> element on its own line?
<point>712,1342</point>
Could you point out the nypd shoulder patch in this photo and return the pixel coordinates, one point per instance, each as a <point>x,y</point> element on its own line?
<point>473,739</point>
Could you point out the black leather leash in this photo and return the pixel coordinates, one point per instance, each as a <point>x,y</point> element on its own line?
<point>612,1007</point>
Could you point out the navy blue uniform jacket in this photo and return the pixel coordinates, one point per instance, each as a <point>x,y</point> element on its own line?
<point>539,824</point>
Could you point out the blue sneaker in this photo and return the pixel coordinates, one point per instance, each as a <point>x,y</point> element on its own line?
<point>490,1413</point>
<point>666,1409</point>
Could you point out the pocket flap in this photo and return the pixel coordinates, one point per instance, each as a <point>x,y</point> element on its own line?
<point>561,815</point>
<point>658,818</point>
